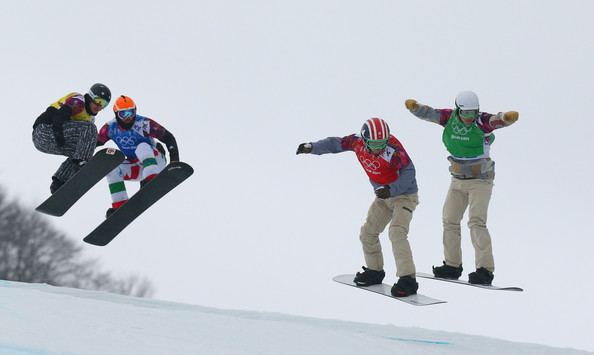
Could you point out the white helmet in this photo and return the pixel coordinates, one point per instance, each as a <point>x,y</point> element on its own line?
<point>467,100</point>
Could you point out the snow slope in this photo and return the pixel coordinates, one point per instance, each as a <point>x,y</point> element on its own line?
<point>42,319</point>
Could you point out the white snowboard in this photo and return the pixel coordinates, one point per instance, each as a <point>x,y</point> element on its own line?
<point>384,289</point>
<point>462,282</point>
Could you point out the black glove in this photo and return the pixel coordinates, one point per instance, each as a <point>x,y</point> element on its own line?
<point>59,136</point>
<point>383,192</point>
<point>173,153</point>
<point>304,148</point>
<point>59,117</point>
<point>171,145</point>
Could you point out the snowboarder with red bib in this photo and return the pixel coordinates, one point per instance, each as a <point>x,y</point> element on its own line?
<point>392,176</point>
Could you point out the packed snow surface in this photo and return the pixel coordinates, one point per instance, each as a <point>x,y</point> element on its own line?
<point>42,319</point>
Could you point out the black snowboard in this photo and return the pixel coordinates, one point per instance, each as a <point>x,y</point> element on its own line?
<point>94,170</point>
<point>173,175</point>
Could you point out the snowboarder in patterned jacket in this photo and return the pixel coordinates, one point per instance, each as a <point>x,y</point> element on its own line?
<point>135,136</point>
<point>392,176</point>
<point>467,135</point>
<point>67,127</point>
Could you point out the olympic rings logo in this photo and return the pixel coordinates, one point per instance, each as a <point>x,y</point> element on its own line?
<point>461,130</point>
<point>126,141</point>
<point>370,165</point>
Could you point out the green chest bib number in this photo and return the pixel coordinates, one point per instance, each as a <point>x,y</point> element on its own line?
<point>463,141</point>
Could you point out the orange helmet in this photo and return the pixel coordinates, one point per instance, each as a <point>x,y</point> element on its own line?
<point>125,111</point>
<point>123,103</point>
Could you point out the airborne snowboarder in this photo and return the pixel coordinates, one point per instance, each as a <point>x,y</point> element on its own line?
<point>135,136</point>
<point>67,127</point>
<point>467,136</point>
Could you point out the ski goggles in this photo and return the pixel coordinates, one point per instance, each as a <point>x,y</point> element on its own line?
<point>126,114</point>
<point>376,144</point>
<point>468,113</point>
<point>99,100</point>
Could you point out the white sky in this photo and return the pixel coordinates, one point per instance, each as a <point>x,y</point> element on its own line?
<point>241,84</point>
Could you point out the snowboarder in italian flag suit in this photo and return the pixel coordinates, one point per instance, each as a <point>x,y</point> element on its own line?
<point>135,136</point>
<point>392,176</point>
<point>468,136</point>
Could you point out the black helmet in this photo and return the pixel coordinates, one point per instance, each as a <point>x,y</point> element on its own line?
<point>100,94</point>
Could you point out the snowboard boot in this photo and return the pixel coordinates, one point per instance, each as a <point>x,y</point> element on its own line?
<point>406,286</point>
<point>56,184</point>
<point>447,272</point>
<point>481,276</point>
<point>369,277</point>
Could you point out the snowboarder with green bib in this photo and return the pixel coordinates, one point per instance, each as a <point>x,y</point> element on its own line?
<point>468,136</point>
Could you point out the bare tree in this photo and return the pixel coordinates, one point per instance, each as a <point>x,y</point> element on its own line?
<point>31,250</point>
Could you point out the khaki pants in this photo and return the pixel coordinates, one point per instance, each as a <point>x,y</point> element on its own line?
<point>398,212</point>
<point>474,194</point>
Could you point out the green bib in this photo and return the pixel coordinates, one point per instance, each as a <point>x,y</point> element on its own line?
<point>464,141</point>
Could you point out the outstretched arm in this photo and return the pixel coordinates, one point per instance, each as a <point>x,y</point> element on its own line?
<point>328,145</point>
<point>490,122</point>
<point>427,113</point>
<point>504,119</point>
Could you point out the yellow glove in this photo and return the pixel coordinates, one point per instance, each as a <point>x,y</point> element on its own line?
<point>411,104</point>
<point>510,117</point>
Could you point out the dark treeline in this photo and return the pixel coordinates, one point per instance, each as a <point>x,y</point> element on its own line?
<point>31,250</point>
